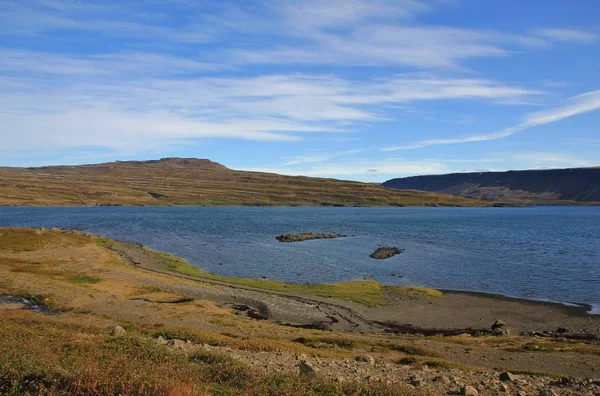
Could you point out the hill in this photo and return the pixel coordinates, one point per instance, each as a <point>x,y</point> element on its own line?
<point>190,181</point>
<point>551,186</point>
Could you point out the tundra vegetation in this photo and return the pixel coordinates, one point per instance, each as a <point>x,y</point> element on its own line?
<point>122,329</point>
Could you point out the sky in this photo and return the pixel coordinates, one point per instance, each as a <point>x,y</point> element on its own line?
<point>353,89</point>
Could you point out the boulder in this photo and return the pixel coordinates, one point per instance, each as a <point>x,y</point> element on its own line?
<point>366,359</point>
<point>175,343</point>
<point>306,369</point>
<point>506,376</point>
<point>161,340</point>
<point>501,329</point>
<point>118,331</point>
<point>468,391</point>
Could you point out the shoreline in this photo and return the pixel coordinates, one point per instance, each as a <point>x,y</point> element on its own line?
<point>417,313</point>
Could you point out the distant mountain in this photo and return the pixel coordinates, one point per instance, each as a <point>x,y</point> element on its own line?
<point>548,186</point>
<point>191,181</point>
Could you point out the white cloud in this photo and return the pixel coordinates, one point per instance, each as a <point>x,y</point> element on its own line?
<point>580,104</point>
<point>320,157</point>
<point>127,101</point>
<point>567,35</point>
<point>383,169</point>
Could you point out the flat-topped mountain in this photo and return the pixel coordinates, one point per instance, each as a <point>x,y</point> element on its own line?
<point>191,181</point>
<point>548,186</point>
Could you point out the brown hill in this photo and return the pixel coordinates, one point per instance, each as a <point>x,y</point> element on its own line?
<point>190,181</point>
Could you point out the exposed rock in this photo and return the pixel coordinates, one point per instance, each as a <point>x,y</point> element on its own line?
<point>531,347</point>
<point>118,331</point>
<point>306,369</point>
<point>366,358</point>
<point>161,340</point>
<point>385,252</point>
<point>501,328</point>
<point>469,391</point>
<point>307,236</point>
<point>506,376</point>
<point>175,343</point>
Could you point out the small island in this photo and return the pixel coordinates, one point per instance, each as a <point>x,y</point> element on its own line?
<point>385,252</point>
<point>307,236</point>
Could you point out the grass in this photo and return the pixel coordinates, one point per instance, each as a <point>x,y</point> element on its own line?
<point>327,342</point>
<point>370,293</point>
<point>83,279</point>
<point>196,182</point>
<point>40,355</point>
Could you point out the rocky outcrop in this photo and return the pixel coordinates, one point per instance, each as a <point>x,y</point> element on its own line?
<point>307,236</point>
<point>385,252</point>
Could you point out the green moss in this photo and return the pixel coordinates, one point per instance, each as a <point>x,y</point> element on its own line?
<point>366,292</point>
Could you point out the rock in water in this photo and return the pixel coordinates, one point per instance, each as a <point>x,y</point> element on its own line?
<point>383,253</point>
<point>118,331</point>
<point>306,369</point>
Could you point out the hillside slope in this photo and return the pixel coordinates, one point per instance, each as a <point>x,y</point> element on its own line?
<point>180,181</point>
<point>577,185</point>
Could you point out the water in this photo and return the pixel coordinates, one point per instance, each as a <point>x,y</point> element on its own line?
<point>542,253</point>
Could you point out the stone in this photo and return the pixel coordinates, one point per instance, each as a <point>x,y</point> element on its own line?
<point>469,391</point>
<point>503,388</point>
<point>366,359</point>
<point>306,369</point>
<point>506,376</point>
<point>302,356</point>
<point>161,340</point>
<point>118,331</point>
<point>175,343</point>
<point>531,347</point>
<point>501,328</point>
<point>547,392</point>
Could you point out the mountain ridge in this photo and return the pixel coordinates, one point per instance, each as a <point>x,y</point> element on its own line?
<point>197,182</point>
<point>536,186</point>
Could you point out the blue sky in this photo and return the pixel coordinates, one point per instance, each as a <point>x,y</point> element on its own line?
<point>353,89</point>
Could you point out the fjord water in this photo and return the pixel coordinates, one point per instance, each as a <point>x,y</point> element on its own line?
<point>542,253</point>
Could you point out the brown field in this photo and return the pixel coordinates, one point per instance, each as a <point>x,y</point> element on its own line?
<point>196,182</point>
<point>224,351</point>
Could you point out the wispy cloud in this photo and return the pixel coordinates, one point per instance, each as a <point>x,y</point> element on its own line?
<point>366,169</point>
<point>567,35</point>
<point>320,157</point>
<point>580,104</point>
<point>132,101</point>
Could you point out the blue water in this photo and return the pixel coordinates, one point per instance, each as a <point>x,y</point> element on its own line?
<point>542,253</point>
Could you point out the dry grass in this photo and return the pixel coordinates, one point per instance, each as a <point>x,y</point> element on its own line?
<point>195,182</point>
<point>40,355</point>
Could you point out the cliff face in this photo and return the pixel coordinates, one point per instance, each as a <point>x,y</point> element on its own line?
<point>537,186</point>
